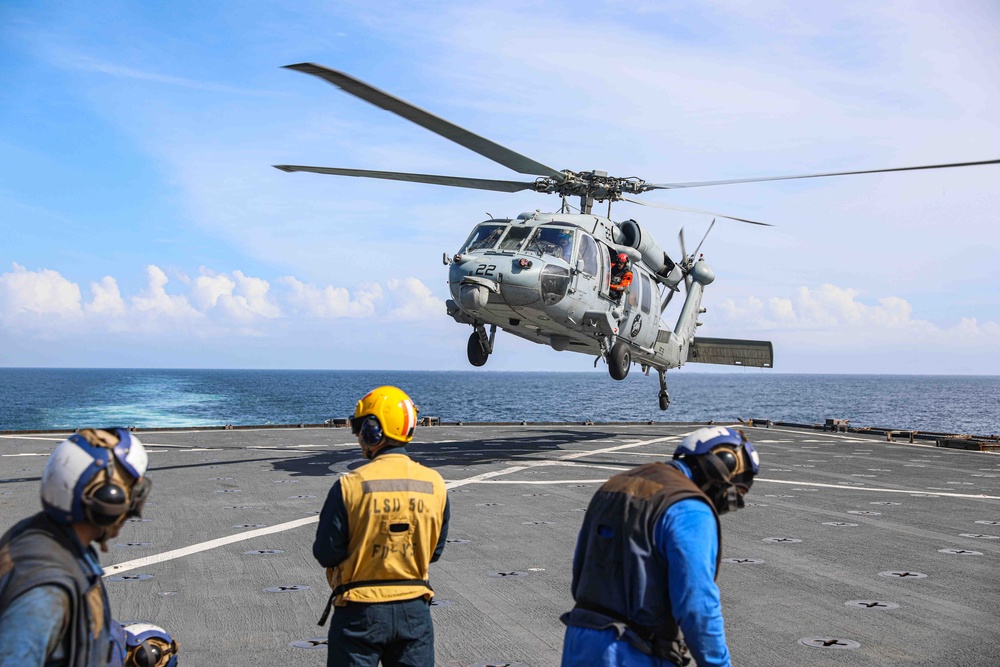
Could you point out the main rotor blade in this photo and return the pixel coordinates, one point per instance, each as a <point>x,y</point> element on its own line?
<point>693,210</point>
<point>455,181</point>
<point>440,126</point>
<point>684,262</point>
<point>698,184</point>
<point>703,238</point>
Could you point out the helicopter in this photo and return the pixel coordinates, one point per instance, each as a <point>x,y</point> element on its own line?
<point>548,277</point>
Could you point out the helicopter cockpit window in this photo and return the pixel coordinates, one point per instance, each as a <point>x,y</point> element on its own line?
<point>555,241</point>
<point>515,238</point>
<point>554,283</point>
<point>588,255</point>
<point>484,237</point>
<point>646,293</point>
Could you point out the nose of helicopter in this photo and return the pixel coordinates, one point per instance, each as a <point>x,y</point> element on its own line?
<point>512,280</point>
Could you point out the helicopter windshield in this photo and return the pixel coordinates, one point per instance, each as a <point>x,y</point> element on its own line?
<point>555,241</point>
<point>484,237</point>
<point>515,238</point>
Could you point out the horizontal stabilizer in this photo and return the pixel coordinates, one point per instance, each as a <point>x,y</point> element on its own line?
<point>732,352</point>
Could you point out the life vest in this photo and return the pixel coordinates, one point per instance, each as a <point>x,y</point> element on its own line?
<point>395,508</point>
<point>619,577</point>
<point>621,281</point>
<point>41,552</point>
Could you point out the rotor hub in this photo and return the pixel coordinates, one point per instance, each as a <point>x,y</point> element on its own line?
<point>594,184</point>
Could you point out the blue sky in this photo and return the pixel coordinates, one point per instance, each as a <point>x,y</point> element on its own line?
<point>141,223</point>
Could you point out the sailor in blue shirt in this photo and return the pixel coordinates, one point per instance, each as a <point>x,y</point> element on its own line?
<point>647,558</point>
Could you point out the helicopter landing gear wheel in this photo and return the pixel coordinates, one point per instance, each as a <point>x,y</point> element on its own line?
<point>664,396</point>
<point>620,360</point>
<point>478,355</point>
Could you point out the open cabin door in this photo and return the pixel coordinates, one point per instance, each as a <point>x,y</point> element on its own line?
<point>604,260</point>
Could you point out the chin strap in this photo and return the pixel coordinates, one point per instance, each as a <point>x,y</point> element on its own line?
<point>106,534</point>
<point>103,540</point>
<point>734,499</point>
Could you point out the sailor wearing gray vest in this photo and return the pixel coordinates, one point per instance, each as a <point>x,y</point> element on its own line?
<point>648,555</point>
<point>54,610</point>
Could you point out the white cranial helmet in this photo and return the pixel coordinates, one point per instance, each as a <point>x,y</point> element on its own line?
<point>71,490</point>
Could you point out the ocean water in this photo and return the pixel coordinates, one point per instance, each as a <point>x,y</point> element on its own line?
<point>32,399</point>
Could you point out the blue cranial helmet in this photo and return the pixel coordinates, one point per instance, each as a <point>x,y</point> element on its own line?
<point>149,645</point>
<point>729,446</point>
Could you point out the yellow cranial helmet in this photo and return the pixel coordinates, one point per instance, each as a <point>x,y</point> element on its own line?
<point>384,412</point>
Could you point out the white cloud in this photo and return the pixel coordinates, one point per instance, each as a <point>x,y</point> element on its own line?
<point>107,299</point>
<point>238,297</point>
<point>329,301</point>
<point>835,316</point>
<point>250,298</point>
<point>155,301</point>
<point>217,303</point>
<point>414,300</point>
<point>33,295</point>
<point>209,287</point>
<point>77,60</point>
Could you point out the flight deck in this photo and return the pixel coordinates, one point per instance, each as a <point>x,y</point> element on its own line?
<point>853,550</point>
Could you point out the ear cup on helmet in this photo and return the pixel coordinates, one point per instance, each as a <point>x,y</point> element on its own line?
<point>728,458</point>
<point>106,504</point>
<point>370,432</point>
<point>147,655</point>
<point>149,645</point>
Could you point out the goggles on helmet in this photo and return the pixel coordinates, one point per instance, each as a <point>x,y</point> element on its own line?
<point>140,492</point>
<point>735,461</point>
<point>357,423</point>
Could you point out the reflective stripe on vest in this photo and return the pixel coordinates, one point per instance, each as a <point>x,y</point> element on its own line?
<point>395,508</point>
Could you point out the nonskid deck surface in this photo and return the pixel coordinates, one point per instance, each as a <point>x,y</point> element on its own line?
<point>853,551</point>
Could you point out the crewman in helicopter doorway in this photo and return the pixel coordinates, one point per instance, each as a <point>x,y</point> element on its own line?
<point>381,527</point>
<point>621,276</point>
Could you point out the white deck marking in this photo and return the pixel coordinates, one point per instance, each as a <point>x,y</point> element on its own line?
<point>48,439</point>
<point>640,443</point>
<point>875,439</point>
<point>596,465</point>
<point>869,488</point>
<point>543,481</point>
<point>487,475</point>
<point>205,546</point>
<point>27,454</point>
<point>658,455</point>
<point>250,534</point>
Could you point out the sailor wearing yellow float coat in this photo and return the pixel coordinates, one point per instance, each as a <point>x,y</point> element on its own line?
<point>380,528</point>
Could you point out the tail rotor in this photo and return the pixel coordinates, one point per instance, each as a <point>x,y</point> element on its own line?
<point>687,261</point>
